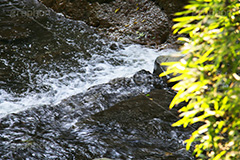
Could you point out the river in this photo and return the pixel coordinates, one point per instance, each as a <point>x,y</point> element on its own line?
<point>55,99</point>
<point>60,58</point>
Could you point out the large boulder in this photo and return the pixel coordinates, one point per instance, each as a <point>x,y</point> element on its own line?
<point>138,128</point>
<point>139,21</point>
<point>85,126</point>
<point>117,120</point>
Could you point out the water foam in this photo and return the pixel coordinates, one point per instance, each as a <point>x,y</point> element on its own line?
<point>99,69</point>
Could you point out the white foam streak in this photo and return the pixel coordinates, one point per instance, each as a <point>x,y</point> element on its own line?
<point>98,70</point>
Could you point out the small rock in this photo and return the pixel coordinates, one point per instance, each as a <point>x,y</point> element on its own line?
<point>158,68</point>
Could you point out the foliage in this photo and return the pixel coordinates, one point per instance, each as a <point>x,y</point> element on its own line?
<point>209,79</point>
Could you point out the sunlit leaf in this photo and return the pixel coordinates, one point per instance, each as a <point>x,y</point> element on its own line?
<point>209,77</point>
<point>117,10</point>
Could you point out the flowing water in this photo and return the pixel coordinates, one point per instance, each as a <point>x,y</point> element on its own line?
<point>60,58</point>
<point>45,58</point>
<point>50,86</point>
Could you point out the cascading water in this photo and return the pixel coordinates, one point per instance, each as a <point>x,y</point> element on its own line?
<point>60,58</point>
<point>69,81</point>
<point>48,65</point>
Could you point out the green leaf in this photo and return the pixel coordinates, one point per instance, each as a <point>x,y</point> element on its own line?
<point>187,19</point>
<point>209,80</point>
<point>219,155</point>
<point>117,10</point>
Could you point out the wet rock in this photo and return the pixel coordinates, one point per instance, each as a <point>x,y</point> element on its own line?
<point>106,121</point>
<point>51,131</point>
<point>171,6</point>
<point>102,159</point>
<point>17,17</point>
<point>34,39</point>
<point>12,33</point>
<point>115,46</point>
<point>12,27</point>
<point>134,21</point>
<point>129,21</point>
<point>158,68</point>
<point>138,128</point>
<point>100,1</point>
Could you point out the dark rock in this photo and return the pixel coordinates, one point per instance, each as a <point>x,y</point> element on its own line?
<point>114,46</point>
<point>18,17</point>
<point>139,21</point>
<point>139,128</point>
<point>158,68</point>
<point>92,125</point>
<point>141,107</point>
<point>50,131</point>
<point>171,6</point>
<point>13,25</point>
<point>35,40</point>
<point>100,1</point>
<point>10,33</point>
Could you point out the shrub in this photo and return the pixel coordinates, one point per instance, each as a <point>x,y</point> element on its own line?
<point>209,79</point>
